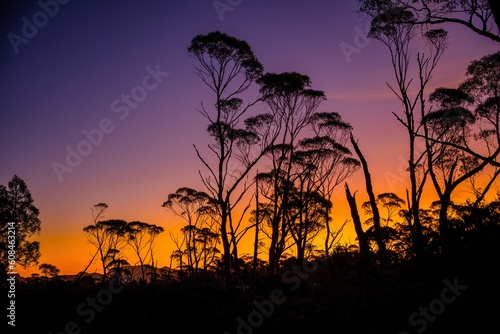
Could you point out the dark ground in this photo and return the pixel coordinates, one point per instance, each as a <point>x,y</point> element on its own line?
<point>342,297</point>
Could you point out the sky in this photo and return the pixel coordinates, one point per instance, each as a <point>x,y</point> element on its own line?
<point>67,79</point>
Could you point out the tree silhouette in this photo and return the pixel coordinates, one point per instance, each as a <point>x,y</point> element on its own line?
<point>109,237</point>
<point>141,237</point>
<point>388,232</point>
<point>199,235</point>
<point>289,96</point>
<point>333,163</point>
<point>482,86</point>
<point>228,67</point>
<point>448,166</point>
<point>18,218</point>
<point>394,28</point>
<point>480,16</point>
<point>49,270</point>
<point>373,203</point>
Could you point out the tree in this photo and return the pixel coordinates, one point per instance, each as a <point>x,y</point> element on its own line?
<point>373,203</point>
<point>394,28</point>
<point>455,135</point>
<point>480,16</point>
<point>483,86</point>
<point>448,166</point>
<point>364,246</point>
<point>228,67</point>
<point>141,237</point>
<point>289,97</point>
<point>48,270</point>
<point>197,208</point>
<point>305,217</point>
<point>386,233</point>
<point>333,163</point>
<point>18,222</point>
<point>109,237</point>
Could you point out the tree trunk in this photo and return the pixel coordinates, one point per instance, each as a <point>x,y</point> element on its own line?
<point>256,240</point>
<point>364,248</point>
<point>444,229</point>
<point>376,215</point>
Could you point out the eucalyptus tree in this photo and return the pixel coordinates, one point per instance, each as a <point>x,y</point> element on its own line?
<point>480,16</point>
<point>141,237</point>
<point>455,133</point>
<point>109,237</point>
<point>289,97</point>
<point>393,26</point>
<point>228,67</point>
<point>326,162</point>
<point>364,245</point>
<point>49,270</point>
<point>200,238</point>
<point>482,83</point>
<point>393,205</point>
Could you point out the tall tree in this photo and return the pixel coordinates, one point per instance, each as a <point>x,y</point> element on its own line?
<point>18,222</point>
<point>394,28</point>
<point>452,129</point>
<point>228,67</point>
<point>289,97</point>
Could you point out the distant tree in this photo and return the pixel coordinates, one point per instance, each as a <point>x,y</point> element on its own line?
<point>333,163</point>
<point>200,238</point>
<point>392,205</point>
<point>109,237</point>
<point>141,237</point>
<point>18,218</point>
<point>480,16</point>
<point>48,270</point>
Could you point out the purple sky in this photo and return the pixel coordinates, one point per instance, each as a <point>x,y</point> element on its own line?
<point>64,80</point>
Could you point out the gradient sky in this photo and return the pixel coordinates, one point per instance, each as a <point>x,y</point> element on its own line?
<point>64,80</point>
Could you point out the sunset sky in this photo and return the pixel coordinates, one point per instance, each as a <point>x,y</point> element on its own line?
<point>69,77</point>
